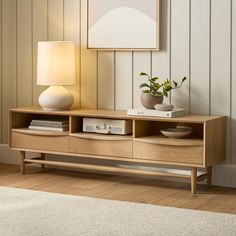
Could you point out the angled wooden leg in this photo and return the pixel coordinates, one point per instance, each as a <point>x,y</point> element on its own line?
<point>22,162</point>
<point>43,156</point>
<point>209,176</point>
<point>193,180</point>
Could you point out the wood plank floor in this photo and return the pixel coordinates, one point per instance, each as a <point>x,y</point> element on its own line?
<point>159,192</point>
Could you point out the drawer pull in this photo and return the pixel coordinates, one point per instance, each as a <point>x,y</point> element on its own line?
<point>102,137</point>
<point>170,142</point>
<point>40,132</point>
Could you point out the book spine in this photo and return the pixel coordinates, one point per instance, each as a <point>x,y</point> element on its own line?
<point>47,128</point>
<point>49,125</point>
<point>166,114</point>
<point>50,122</point>
<point>149,113</point>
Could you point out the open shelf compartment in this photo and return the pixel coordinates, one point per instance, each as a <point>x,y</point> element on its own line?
<point>152,130</point>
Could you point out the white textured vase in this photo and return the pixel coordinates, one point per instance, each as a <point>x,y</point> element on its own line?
<point>56,98</point>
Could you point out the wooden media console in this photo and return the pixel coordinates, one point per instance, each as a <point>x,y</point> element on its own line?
<point>204,148</point>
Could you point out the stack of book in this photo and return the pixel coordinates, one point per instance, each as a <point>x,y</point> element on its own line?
<point>152,112</point>
<point>53,125</point>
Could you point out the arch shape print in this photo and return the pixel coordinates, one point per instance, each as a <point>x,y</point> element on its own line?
<point>123,24</point>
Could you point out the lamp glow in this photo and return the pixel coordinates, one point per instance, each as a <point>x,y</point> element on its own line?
<point>55,68</point>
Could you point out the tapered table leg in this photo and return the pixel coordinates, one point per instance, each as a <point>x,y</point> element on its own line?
<point>22,162</point>
<point>193,180</point>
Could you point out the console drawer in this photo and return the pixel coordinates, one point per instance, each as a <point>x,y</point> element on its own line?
<point>105,147</point>
<point>168,153</point>
<point>40,142</point>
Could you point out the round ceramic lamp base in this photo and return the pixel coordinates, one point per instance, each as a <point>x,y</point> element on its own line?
<point>56,98</point>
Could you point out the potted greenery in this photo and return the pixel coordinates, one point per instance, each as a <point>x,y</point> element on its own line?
<point>153,91</point>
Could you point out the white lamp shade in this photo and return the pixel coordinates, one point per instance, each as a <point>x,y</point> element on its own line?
<point>56,63</point>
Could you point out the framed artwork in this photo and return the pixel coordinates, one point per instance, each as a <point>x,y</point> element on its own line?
<point>123,24</point>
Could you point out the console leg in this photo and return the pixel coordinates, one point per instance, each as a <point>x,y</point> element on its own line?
<point>43,156</point>
<point>209,176</point>
<point>193,180</point>
<point>22,162</point>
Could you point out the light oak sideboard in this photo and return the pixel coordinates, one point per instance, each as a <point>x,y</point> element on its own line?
<point>204,148</point>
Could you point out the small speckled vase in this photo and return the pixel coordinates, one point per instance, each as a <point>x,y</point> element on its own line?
<point>149,101</point>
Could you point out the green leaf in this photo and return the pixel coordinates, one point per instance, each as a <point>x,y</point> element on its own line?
<point>168,89</point>
<point>143,85</point>
<point>167,86</point>
<point>146,91</point>
<point>175,83</point>
<point>184,79</point>
<point>156,94</point>
<point>143,74</point>
<point>156,86</point>
<point>154,79</point>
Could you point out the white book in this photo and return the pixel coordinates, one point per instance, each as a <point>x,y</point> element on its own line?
<point>48,128</point>
<point>58,122</point>
<point>40,124</point>
<point>153,112</point>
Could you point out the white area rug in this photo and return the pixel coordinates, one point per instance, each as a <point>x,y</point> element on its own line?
<point>26,212</point>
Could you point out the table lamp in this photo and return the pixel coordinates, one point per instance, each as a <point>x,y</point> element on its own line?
<point>55,68</point>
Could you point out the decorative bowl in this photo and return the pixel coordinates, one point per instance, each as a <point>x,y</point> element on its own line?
<point>164,107</point>
<point>176,132</point>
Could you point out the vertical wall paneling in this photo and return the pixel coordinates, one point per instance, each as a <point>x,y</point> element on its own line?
<point>141,63</point>
<point>72,33</point>
<point>106,80</point>
<point>1,115</point>
<point>200,60</point>
<point>39,31</point>
<point>8,61</point>
<point>55,20</point>
<point>180,50</point>
<point>220,61</point>
<point>24,53</point>
<point>161,59</point>
<point>197,39</point>
<point>124,80</point>
<point>233,89</point>
<point>88,88</point>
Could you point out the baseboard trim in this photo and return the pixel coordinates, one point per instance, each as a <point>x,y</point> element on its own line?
<point>223,175</point>
<point>7,156</point>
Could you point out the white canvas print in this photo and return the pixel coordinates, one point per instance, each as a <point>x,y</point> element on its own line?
<point>123,24</point>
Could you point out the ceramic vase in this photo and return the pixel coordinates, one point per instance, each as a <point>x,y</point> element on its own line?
<point>149,101</point>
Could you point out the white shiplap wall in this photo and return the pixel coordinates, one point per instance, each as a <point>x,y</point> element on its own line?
<point>198,39</point>
<point>233,82</point>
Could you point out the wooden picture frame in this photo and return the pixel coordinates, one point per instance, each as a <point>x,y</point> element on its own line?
<point>123,24</point>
